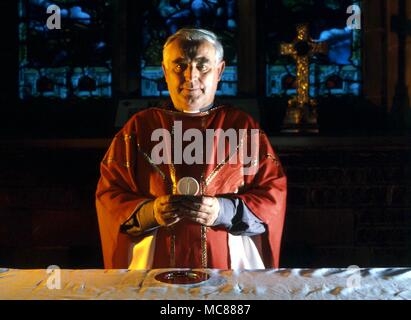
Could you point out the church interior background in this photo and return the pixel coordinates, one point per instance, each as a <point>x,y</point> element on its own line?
<point>65,92</point>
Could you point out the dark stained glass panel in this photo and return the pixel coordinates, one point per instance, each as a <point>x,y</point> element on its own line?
<point>73,61</point>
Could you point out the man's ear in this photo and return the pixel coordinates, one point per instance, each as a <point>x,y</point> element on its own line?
<point>220,68</point>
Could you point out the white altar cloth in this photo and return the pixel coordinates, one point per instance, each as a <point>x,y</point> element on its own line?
<point>279,284</point>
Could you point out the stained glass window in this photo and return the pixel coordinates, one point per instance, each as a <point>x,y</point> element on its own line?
<point>71,61</point>
<point>336,73</point>
<point>164,17</point>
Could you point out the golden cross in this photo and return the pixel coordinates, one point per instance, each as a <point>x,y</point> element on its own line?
<point>302,49</point>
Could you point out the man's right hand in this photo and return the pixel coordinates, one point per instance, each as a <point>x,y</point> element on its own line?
<point>166,210</point>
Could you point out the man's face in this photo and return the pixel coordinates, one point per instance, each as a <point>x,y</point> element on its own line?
<point>192,74</point>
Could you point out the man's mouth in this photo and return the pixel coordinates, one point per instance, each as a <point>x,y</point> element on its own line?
<point>190,89</point>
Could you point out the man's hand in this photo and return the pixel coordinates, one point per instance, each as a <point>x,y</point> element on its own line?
<point>167,210</point>
<point>201,209</point>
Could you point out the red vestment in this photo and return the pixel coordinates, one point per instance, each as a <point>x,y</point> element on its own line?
<point>129,178</point>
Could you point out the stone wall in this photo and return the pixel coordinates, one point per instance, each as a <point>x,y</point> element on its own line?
<point>348,207</point>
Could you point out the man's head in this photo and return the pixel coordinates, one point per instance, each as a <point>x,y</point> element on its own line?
<point>193,65</point>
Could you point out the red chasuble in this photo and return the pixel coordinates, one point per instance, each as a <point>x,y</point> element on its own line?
<point>131,177</point>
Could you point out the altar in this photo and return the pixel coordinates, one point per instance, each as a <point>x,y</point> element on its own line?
<point>279,284</point>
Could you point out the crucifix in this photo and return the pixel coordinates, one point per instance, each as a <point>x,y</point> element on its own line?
<point>301,113</point>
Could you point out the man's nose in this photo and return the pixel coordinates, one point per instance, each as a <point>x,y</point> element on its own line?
<point>191,73</point>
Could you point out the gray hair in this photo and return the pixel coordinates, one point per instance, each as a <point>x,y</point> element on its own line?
<point>187,34</point>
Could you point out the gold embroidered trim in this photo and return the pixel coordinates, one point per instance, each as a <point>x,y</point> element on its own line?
<point>127,137</point>
<point>220,165</point>
<point>173,235</point>
<point>172,250</point>
<point>272,157</point>
<point>151,162</point>
<point>173,178</point>
<point>204,257</point>
<point>198,114</point>
<point>110,160</point>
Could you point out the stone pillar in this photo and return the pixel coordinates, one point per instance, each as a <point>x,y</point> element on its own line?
<point>381,51</point>
<point>408,50</point>
<point>126,78</point>
<point>246,39</point>
<point>374,50</point>
<point>392,53</point>
<point>399,51</point>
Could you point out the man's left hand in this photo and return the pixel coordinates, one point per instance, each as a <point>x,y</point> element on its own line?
<point>201,209</point>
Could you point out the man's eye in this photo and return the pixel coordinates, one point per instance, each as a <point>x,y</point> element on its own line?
<point>202,67</point>
<point>180,67</point>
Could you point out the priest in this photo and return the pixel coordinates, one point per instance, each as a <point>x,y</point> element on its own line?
<point>173,192</point>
